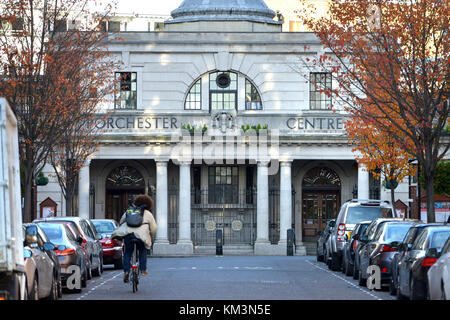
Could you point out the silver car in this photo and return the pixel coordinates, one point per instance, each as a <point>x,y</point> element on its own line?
<point>90,240</point>
<point>352,212</point>
<point>40,269</point>
<point>439,275</point>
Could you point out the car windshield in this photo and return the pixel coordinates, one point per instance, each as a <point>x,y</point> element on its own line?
<point>54,232</point>
<point>104,226</point>
<point>396,231</point>
<point>358,214</point>
<point>438,239</point>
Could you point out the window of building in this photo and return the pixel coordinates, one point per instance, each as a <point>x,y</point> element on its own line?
<point>319,82</point>
<point>194,97</point>
<point>223,90</point>
<point>113,26</point>
<point>60,25</point>
<point>125,96</point>
<point>17,24</point>
<point>223,184</point>
<point>252,98</point>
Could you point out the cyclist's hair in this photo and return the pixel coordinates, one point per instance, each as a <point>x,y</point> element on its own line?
<point>143,200</point>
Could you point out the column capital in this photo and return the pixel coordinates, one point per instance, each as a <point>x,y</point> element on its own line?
<point>161,163</point>
<point>286,163</point>
<point>263,163</point>
<point>184,162</point>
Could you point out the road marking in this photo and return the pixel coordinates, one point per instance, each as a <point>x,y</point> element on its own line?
<point>343,279</point>
<point>99,285</point>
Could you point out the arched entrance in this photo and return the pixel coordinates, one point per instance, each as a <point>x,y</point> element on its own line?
<point>122,185</point>
<point>321,189</point>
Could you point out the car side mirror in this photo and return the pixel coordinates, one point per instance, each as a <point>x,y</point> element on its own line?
<point>80,240</point>
<point>48,246</point>
<point>31,238</point>
<point>432,253</point>
<point>395,245</point>
<point>61,248</point>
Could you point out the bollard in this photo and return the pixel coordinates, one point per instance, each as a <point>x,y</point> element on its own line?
<point>290,242</point>
<point>219,242</point>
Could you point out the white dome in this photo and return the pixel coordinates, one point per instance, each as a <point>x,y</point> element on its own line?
<point>223,10</point>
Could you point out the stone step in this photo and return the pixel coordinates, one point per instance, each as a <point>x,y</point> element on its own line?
<point>227,250</point>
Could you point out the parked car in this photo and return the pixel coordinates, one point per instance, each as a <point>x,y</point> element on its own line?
<point>112,249</point>
<point>402,248</point>
<point>439,275</point>
<point>353,212</point>
<point>348,253</point>
<point>323,237</point>
<point>380,249</point>
<point>414,265</point>
<point>90,239</point>
<point>363,239</point>
<point>69,251</point>
<point>40,268</point>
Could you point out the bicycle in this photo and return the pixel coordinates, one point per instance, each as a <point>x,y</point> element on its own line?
<point>134,274</point>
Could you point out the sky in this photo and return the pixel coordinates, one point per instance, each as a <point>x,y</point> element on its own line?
<point>147,6</point>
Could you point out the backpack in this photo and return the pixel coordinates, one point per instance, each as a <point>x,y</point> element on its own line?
<point>134,216</point>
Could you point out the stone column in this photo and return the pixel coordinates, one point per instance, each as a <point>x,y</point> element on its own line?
<point>83,191</point>
<point>184,243</point>
<point>363,182</point>
<point>262,243</point>
<point>285,201</point>
<point>162,240</point>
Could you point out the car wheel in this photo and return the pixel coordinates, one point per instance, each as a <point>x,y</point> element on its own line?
<point>392,288</point>
<point>443,297</point>
<point>416,290</point>
<point>318,256</point>
<point>348,270</point>
<point>334,262</point>
<point>101,265</point>
<point>54,290</point>
<point>60,288</point>
<point>355,271</point>
<point>361,280</point>
<point>344,264</point>
<point>34,294</point>
<point>118,264</point>
<point>84,278</point>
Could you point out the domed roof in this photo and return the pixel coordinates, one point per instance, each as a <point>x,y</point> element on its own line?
<point>222,10</point>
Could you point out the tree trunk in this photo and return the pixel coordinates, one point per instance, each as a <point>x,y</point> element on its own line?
<point>28,198</point>
<point>429,188</point>
<point>393,197</point>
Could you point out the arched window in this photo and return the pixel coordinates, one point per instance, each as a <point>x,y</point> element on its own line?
<point>252,97</point>
<point>194,97</point>
<point>125,177</point>
<point>222,90</point>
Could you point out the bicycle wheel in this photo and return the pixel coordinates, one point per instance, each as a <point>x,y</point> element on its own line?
<point>135,270</point>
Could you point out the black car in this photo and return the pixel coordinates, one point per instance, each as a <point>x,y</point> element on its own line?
<point>414,265</point>
<point>380,249</point>
<point>363,239</point>
<point>348,254</point>
<point>404,246</point>
<point>323,237</point>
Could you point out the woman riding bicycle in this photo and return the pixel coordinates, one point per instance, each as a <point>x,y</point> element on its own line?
<point>141,235</point>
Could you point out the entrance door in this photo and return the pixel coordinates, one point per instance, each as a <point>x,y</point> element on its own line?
<point>117,201</point>
<point>318,208</point>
